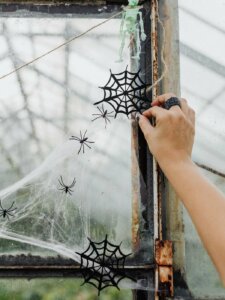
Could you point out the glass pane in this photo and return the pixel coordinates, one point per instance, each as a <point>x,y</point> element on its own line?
<point>202,47</point>
<point>61,192</point>
<point>42,106</point>
<point>56,289</point>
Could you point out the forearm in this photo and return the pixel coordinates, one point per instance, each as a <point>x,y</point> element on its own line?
<point>205,204</point>
<point>170,140</point>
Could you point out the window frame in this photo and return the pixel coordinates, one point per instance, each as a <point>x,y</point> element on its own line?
<point>171,205</point>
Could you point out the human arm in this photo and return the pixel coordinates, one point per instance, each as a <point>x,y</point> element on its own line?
<point>171,141</point>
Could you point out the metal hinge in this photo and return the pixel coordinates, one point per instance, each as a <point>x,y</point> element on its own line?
<point>164,263</point>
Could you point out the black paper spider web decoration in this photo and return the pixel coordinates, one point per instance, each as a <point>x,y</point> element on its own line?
<point>126,93</point>
<point>102,264</point>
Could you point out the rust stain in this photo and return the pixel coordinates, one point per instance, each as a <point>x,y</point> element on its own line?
<point>164,253</point>
<point>155,92</point>
<point>154,60</point>
<point>165,282</point>
<point>154,42</point>
<point>159,181</point>
<point>164,261</point>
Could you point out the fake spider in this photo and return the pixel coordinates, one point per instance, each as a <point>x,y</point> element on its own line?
<point>83,141</point>
<point>66,188</point>
<point>103,114</point>
<point>6,212</point>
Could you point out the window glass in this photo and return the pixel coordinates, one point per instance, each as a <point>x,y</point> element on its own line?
<point>42,106</point>
<point>202,47</point>
<point>56,289</point>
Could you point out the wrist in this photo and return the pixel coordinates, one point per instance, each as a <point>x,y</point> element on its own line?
<point>175,164</point>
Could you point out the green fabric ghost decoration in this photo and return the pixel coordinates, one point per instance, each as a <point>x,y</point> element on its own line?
<point>130,27</point>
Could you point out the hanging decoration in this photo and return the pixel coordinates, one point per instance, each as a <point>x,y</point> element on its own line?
<point>130,27</point>
<point>126,93</point>
<point>102,264</point>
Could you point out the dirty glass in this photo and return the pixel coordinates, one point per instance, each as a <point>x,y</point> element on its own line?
<point>56,289</point>
<point>46,109</point>
<point>42,106</point>
<point>202,62</point>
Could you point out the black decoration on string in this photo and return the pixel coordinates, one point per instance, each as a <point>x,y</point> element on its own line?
<point>126,93</point>
<point>6,212</point>
<point>102,264</point>
<point>66,188</point>
<point>103,113</point>
<point>83,140</point>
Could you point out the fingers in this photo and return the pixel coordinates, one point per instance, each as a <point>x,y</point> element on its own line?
<point>192,116</point>
<point>161,99</point>
<point>184,106</point>
<point>155,111</point>
<point>145,126</point>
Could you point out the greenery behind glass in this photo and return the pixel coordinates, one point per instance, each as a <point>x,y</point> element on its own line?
<point>56,289</point>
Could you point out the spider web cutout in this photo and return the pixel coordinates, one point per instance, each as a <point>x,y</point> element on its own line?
<point>102,264</point>
<point>126,93</point>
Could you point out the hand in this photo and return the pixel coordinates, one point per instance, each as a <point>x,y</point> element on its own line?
<point>171,139</point>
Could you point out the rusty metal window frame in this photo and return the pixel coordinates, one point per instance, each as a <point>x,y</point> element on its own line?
<point>37,267</point>
<point>170,206</point>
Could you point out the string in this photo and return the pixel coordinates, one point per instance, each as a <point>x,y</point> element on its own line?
<point>87,31</point>
<point>60,46</point>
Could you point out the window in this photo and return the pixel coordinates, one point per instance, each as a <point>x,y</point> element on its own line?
<point>42,106</point>
<point>120,193</point>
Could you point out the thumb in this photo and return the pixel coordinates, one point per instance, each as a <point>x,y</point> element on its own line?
<point>145,126</point>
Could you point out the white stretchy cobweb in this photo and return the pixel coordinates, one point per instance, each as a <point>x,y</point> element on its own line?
<point>60,222</point>
<point>51,219</point>
<point>48,217</point>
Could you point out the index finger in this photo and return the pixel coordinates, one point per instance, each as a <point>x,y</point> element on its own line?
<point>161,99</point>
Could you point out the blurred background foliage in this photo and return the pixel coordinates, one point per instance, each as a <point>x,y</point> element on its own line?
<point>56,289</point>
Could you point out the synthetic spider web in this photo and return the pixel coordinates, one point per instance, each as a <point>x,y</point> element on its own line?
<point>61,202</point>
<point>126,93</point>
<point>102,264</point>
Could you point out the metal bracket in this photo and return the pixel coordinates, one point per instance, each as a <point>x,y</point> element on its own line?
<point>164,263</point>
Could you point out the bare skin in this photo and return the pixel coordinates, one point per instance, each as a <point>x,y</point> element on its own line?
<point>171,141</point>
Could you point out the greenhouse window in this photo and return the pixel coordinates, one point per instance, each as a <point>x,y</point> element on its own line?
<point>64,194</point>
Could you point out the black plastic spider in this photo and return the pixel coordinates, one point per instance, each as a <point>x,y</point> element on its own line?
<point>6,212</point>
<point>66,188</point>
<point>83,141</point>
<point>103,114</point>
